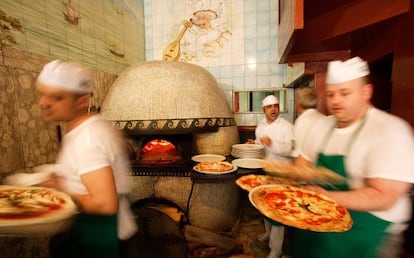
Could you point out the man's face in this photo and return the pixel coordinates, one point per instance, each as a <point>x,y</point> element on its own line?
<point>271,112</point>
<point>348,101</point>
<point>56,105</point>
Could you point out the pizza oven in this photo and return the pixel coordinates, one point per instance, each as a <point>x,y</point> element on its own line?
<point>171,111</point>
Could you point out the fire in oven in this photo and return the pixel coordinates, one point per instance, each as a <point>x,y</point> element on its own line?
<point>162,154</point>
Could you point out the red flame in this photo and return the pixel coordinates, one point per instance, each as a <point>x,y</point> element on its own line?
<point>159,151</point>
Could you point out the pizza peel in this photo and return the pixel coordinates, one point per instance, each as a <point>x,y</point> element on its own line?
<point>304,174</point>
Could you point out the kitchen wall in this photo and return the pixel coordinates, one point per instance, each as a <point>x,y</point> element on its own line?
<point>247,57</point>
<point>108,36</point>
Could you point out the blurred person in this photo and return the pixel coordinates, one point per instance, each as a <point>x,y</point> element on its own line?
<point>275,134</point>
<point>374,150</point>
<point>92,164</point>
<point>307,115</point>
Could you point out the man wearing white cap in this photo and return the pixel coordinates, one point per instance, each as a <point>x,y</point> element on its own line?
<point>92,161</point>
<point>276,134</point>
<point>374,150</point>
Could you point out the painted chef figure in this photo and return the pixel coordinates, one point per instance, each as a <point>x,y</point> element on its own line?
<point>375,151</point>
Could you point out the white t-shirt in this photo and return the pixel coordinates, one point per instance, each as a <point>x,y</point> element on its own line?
<point>302,126</point>
<point>384,148</point>
<point>280,132</point>
<point>92,145</point>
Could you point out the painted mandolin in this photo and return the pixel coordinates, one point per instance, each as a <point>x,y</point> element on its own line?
<point>172,51</point>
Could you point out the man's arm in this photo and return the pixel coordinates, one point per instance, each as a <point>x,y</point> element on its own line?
<point>102,197</point>
<point>378,194</point>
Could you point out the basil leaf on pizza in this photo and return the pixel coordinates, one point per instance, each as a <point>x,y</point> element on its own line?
<point>301,208</point>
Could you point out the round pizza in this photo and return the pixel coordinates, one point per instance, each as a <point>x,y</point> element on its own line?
<point>30,205</point>
<point>301,208</point>
<point>214,166</point>
<point>248,182</point>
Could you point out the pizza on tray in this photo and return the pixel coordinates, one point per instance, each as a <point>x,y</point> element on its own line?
<point>31,205</point>
<point>248,182</point>
<point>301,208</point>
<point>214,166</point>
<point>309,174</point>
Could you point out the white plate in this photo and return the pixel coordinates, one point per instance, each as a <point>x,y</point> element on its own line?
<point>247,155</point>
<point>216,173</point>
<point>248,163</point>
<point>247,146</point>
<point>208,157</point>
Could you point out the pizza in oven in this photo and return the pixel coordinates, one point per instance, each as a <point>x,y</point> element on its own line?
<point>214,166</point>
<point>30,205</point>
<point>248,182</point>
<point>301,208</point>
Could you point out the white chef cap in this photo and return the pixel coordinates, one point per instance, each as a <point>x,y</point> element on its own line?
<point>270,100</point>
<point>341,72</point>
<point>68,76</point>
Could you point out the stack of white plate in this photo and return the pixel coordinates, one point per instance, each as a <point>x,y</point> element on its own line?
<point>247,150</point>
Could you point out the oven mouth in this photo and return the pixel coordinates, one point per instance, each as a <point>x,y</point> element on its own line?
<point>158,152</point>
<point>163,155</point>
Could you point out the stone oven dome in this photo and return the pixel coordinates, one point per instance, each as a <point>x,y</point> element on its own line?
<point>161,89</point>
<point>159,97</point>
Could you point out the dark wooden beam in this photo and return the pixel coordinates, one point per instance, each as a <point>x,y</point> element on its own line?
<point>377,44</point>
<point>318,56</point>
<point>348,18</point>
<point>291,19</point>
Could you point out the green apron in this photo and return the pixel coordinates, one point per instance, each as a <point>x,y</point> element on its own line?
<point>94,236</point>
<point>361,241</point>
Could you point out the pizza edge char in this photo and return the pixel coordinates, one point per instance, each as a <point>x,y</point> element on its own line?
<point>327,224</point>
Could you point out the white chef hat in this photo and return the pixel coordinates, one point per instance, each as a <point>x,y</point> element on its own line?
<point>270,100</point>
<point>67,75</point>
<point>341,72</point>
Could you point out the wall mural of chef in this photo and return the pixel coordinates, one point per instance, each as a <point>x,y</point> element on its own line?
<point>204,35</point>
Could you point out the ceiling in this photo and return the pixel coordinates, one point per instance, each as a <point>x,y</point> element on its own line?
<point>339,29</point>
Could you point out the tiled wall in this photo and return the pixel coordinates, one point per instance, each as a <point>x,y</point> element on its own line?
<point>250,61</point>
<point>108,35</point>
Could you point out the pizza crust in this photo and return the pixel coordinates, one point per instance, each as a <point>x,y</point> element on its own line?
<point>301,208</point>
<point>248,182</point>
